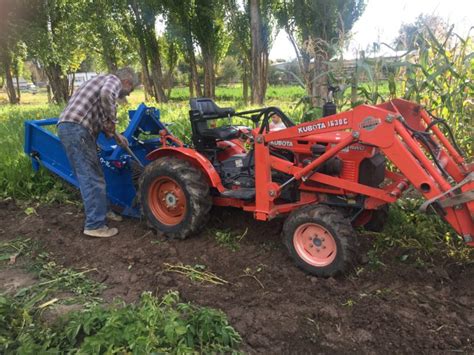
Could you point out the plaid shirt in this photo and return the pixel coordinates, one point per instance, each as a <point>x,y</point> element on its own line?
<point>93,105</point>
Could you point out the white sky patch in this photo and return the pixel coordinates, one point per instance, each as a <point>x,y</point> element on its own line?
<point>382,19</point>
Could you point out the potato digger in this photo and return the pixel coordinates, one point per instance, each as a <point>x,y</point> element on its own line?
<point>325,177</point>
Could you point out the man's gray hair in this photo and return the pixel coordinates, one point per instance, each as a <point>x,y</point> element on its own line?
<point>127,73</point>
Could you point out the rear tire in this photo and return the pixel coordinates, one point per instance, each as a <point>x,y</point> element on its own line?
<point>320,240</point>
<point>175,197</point>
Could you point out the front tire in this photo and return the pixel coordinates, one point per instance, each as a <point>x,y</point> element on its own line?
<point>175,197</point>
<point>320,240</point>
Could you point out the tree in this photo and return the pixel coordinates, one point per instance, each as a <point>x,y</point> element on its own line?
<point>180,16</point>
<point>410,35</point>
<point>212,36</point>
<point>241,46</point>
<point>143,14</point>
<point>261,29</point>
<point>229,70</point>
<point>171,55</point>
<point>316,29</point>
<point>106,35</point>
<point>8,42</point>
<point>52,33</point>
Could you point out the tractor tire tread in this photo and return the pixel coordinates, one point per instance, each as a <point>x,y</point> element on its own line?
<point>340,227</point>
<point>196,187</point>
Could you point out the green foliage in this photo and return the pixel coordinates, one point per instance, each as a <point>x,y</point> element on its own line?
<point>151,325</point>
<point>317,30</point>
<point>229,71</point>
<point>106,35</point>
<point>17,179</point>
<point>408,228</point>
<point>229,239</point>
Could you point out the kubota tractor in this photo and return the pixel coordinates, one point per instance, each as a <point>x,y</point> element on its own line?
<point>326,176</point>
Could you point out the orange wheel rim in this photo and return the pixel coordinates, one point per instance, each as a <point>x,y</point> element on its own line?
<point>167,201</point>
<point>315,244</point>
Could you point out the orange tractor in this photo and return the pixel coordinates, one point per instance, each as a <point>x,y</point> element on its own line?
<point>327,176</point>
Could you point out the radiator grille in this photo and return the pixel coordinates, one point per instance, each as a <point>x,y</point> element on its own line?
<point>349,170</point>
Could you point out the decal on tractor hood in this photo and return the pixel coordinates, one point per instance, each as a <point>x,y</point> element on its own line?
<point>282,143</point>
<point>370,123</point>
<point>322,125</point>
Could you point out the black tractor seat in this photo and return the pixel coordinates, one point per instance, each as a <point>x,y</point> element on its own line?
<point>203,110</point>
<point>209,110</point>
<point>221,133</point>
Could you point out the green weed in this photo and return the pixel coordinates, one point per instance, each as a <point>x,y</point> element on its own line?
<point>11,250</point>
<point>228,238</point>
<point>150,326</point>
<point>409,228</point>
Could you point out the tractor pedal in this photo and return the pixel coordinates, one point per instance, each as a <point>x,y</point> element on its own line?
<point>244,193</point>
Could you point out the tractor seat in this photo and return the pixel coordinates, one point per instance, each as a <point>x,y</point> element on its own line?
<point>208,110</point>
<point>221,133</point>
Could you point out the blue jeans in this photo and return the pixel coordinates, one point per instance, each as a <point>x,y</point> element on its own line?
<point>81,151</point>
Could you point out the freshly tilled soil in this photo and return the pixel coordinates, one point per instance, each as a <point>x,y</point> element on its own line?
<point>398,307</point>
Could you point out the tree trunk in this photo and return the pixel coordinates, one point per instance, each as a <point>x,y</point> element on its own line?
<point>149,50</point>
<point>193,67</point>
<point>110,62</point>
<point>353,89</point>
<point>319,81</point>
<point>18,94</point>
<point>146,78</point>
<point>73,79</point>
<point>157,78</point>
<point>48,91</point>
<point>209,77</point>
<point>259,59</point>
<point>12,97</point>
<point>245,86</point>
<point>59,83</point>
<point>153,54</point>
<point>264,75</point>
<point>191,86</point>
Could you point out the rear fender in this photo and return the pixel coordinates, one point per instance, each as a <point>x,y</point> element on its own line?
<point>196,159</point>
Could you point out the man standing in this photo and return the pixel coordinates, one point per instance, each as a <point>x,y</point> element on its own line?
<point>93,109</point>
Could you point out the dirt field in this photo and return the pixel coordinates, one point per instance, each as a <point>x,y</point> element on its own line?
<point>397,307</point>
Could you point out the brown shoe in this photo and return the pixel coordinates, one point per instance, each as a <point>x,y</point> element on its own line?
<point>112,216</point>
<point>102,232</point>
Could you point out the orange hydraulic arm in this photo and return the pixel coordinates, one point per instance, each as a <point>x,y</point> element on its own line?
<point>408,137</point>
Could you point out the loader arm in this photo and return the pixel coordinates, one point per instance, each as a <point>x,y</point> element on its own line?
<point>406,134</point>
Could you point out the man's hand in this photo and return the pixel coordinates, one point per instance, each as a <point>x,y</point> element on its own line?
<point>121,140</point>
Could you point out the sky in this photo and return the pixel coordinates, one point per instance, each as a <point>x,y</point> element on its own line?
<point>381,21</point>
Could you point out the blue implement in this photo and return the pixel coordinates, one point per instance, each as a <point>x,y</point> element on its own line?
<point>45,150</point>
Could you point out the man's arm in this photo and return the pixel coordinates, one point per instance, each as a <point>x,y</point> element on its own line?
<point>108,96</point>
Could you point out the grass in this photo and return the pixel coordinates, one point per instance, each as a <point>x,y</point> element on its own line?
<point>152,325</point>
